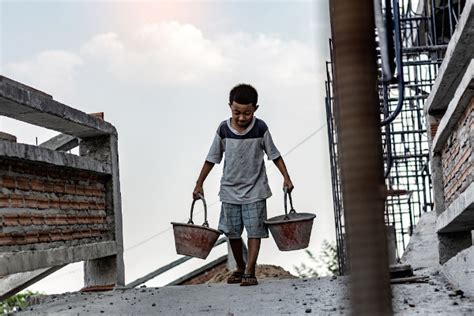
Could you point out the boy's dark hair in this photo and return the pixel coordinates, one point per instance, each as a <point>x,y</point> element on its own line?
<point>243,94</point>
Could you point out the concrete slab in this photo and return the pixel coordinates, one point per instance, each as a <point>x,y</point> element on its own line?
<point>320,296</point>
<point>459,215</point>
<point>29,105</point>
<point>461,99</point>
<point>22,261</point>
<point>458,56</point>
<point>460,271</point>
<point>43,155</point>
<point>422,249</point>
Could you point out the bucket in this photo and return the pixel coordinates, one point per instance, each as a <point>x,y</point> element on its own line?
<point>291,231</point>
<point>194,240</point>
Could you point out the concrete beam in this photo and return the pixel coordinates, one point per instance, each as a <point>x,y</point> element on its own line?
<point>61,142</point>
<point>459,215</point>
<point>458,56</point>
<point>461,99</point>
<point>29,105</point>
<point>9,137</point>
<point>42,155</point>
<point>22,261</point>
<point>14,283</point>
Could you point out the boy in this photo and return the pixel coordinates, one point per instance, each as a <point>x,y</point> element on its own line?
<point>244,184</point>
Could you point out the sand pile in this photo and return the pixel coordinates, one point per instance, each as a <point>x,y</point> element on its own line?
<point>263,271</point>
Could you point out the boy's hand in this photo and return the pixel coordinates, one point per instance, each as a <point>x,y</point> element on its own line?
<point>197,190</point>
<point>287,183</point>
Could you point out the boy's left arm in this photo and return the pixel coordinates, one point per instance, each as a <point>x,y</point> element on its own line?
<point>280,163</point>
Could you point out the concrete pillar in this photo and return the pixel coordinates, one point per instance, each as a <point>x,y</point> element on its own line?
<point>107,270</point>
<point>438,186</point>
<point>360,154</point>
<point>392,245</point>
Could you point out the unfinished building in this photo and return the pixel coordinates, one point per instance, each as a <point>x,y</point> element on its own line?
<point>58,208</point>
<point>425,61</point>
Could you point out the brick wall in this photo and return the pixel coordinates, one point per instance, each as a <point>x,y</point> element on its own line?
<point>44,206</point>
<point>457,156</point>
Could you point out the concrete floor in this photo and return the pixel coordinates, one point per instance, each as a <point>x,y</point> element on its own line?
<point>321,296</point>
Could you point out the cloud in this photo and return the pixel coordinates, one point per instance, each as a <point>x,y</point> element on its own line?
<point>172,53</point>
<point>53,71</point>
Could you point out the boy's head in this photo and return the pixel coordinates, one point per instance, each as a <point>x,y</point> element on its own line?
<point>243,100</point>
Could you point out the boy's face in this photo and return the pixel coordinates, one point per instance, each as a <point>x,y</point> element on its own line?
<point>242,114</point>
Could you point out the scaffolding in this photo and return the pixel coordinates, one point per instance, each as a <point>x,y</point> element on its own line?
<point>412,37</point>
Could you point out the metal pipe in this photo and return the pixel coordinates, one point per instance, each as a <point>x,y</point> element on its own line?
<point>383,42</point>
<point>360,150</point>
<point>398,57</point>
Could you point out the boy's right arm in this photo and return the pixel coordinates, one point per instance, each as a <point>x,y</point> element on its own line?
<point>206,168</point>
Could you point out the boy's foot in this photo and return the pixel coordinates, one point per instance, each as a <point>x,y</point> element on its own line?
<point>248,280</point>
<point>235,277</point>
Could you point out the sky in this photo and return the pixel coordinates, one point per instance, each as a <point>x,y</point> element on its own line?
<point>161,71</point>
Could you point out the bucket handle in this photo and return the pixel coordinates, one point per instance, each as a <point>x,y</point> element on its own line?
<point>201,197</point>
<point>288,195</point>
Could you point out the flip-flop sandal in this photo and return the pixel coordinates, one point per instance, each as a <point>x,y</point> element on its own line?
<point>235,277</point>
<point>248,280</point>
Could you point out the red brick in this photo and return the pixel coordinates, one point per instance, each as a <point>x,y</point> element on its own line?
<point>65,204</point>
<point>37,185</point>
<point>84,175</point>
<point>53,172</point>
<point>44,237</point>
<point>80,189</point>
<point>70,189</point>
<point>4,200</point>
<point>82,220</point>
<point>43,202</point>
<point>75,205</point>
<point>8,182</point>
<point>101,205</point>
<point>84,205</point>
<point>32,238</point>
<point>68,235</point>
<point>23,183</point>
<point>10,220</point>
<point>59,188</point>
<point>55,236</point>
<point>16,201</point>
<point>24,220</point>
<point>41,171</point>
<point>72,220</point>
<point>37,219</point>
<point>54,203</point>
<point>5,240</point>
<point>31,202</point>
<point>61,219</point>
<point>48,186</point>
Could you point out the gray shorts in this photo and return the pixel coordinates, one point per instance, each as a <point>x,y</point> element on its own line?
<point>234,217</point>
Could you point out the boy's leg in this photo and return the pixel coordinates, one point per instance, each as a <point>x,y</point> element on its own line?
<point>253,217</point>
<point>237,251</point>
<point>254,248</point>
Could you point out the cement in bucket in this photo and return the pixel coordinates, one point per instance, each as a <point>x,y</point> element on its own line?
<point>194,240</point>
<point>291,231</point>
